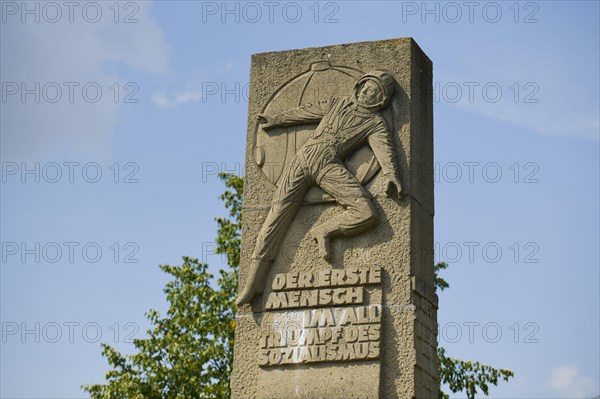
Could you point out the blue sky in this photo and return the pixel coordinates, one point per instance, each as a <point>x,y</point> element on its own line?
<point>134,118</point>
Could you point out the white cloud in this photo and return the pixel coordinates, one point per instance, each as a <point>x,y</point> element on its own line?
<point>196,89</point>
<point>568,383</point>
<point>162,100</point>
<point>81,52</point>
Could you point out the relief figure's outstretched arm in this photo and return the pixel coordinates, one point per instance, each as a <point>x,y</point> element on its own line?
<point>304,114</point>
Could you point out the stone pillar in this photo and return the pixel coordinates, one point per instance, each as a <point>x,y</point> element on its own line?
<point>338,226</point>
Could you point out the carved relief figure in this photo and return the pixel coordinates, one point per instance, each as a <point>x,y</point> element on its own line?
<point>344,124</point>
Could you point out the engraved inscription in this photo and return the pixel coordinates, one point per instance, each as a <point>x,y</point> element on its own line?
<point>327,278</point>
<point>312,298</point>
<point>331,332</point>
<point>352,293</point>
<point>321,335</point>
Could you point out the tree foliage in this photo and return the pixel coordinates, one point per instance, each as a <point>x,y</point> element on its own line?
<point>461,375</point>
<point>188,353</point>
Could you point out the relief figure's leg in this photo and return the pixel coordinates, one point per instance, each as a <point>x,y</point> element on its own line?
<point>359,214</point>
<point>286,201</point>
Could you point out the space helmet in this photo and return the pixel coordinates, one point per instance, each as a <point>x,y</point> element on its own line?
<point>384,80</point>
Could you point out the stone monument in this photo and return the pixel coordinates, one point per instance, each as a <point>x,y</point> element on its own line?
<point>337,296</point>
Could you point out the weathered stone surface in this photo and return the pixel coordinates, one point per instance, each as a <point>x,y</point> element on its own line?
<point>400,345</point>
<point>316,382</point>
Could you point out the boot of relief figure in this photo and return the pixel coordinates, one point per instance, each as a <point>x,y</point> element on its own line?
<point>255,283</point>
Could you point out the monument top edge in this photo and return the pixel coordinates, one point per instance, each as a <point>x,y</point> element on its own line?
<point>400,40</point>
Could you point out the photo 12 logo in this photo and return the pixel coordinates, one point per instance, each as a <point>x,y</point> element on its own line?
<point>253,12</point>
<point>453,12</point>
<point>212,169</point>
<point>487,172</point>
<point>53,332</point>
<point>52,12</point>
<point>490,332</point>
<point>69,172</point>
<point>68,251</point>
<point>485,252</point>
<point>54,92</point>
<point>488,92</point>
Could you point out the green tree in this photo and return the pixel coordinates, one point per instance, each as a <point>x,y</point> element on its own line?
<point>188,353</point>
